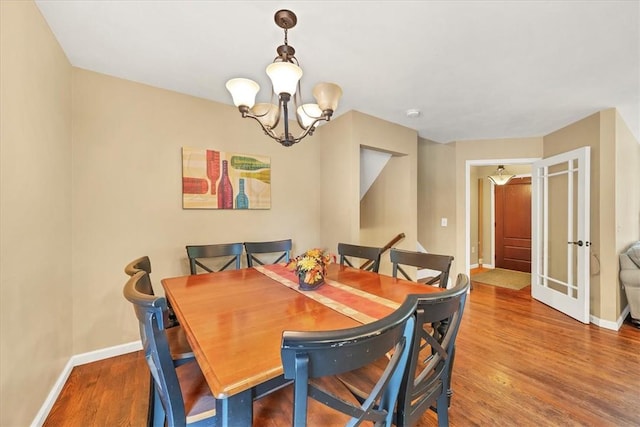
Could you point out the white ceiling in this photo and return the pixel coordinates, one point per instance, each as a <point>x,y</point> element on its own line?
<point>475,69</point>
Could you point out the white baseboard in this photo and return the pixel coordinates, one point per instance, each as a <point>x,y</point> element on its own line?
<point>105,353</point>
<point>608,324</point>
<point>77,360</point>
<point>472,266</point>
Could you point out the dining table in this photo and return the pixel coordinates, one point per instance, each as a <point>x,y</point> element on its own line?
<point>234,320</point>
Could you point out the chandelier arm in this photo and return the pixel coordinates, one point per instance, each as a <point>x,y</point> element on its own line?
<point>267,130</point>
<point>287,142</point>
<point>311,128</point>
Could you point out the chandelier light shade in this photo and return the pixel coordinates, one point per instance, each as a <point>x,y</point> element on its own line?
<point>307,114</point>
<point>501,176</point>
<point>284,77</point>
<point>285,74</point>
<point>243,91</point>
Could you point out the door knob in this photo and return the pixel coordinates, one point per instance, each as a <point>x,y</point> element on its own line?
<point>580,243</point>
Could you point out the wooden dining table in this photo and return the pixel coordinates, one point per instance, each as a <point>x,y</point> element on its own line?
<point>234,321</point>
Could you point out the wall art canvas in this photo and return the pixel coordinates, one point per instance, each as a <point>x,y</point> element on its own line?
<point>214,179</point>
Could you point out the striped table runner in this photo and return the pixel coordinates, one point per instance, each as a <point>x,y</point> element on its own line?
<point>359,305</point>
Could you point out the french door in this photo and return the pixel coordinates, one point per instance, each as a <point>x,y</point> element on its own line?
<point>560,242</point>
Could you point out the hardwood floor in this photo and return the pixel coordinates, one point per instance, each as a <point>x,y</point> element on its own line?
<point>110,392</point>
<point>518,363</point>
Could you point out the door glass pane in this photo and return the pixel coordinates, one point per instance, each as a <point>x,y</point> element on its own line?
<point>558,228</point>
<point>573,265</point>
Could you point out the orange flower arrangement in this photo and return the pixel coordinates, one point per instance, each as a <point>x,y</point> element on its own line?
<point>312,265</point>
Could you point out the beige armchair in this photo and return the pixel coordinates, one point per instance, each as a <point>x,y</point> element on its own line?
<point>630,278</point>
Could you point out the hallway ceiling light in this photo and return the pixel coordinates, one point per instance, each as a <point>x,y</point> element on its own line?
<point>285,74</point>
<point>501,176</point>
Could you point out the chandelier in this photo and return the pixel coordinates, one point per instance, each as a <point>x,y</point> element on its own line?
<point>500,176</point>
<point>285,74</point>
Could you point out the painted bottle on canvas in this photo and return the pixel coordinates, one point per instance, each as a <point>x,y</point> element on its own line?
<point>225,190</point>
<point>242,201</point>
<point>213,168</point>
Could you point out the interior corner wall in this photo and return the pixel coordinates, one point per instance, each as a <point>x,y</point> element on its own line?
<point>437,197</point>
<point>609,282</point>
<point>627,191</point>
<point>381,217</point>
<point>339,183</point>
<point>35,212</point>
<point>340,195</point>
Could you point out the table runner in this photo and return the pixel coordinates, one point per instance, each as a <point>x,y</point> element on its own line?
<point>355,303</point>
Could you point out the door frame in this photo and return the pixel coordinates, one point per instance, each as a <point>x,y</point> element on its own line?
<point>467,207</point>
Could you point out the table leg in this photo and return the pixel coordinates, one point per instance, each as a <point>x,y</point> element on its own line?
<point>236,410</point>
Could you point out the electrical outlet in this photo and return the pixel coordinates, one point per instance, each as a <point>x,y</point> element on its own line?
<point>473,249</point>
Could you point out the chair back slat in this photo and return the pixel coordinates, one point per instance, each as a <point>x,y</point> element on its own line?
<point>347,251</point>
<point>440,263</point>
<point>197,253</point>
<point>281,247</point>
<point>309,355</point>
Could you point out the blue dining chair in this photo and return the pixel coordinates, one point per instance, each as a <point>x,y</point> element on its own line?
<point>348,252</point>
<point>309,356</point>
<point>426,381</point>
<point>282,249</point>
<point>229,252</point>
<point>441,264</point>
<point>182,396</point>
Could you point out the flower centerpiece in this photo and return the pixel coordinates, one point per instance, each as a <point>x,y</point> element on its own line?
<point>311,267</point>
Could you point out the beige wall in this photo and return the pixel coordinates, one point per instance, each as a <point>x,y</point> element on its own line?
<point>382,216</point>
<point>36,328</point>
<point>437,197</point>
<point>392,198</point>
<point>127,140</point>
<point>609,283</point>
<point>340,183</point>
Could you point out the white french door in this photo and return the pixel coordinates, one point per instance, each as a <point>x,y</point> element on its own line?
<point>560,241</point>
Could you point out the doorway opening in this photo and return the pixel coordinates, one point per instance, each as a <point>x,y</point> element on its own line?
<point>480,240</point>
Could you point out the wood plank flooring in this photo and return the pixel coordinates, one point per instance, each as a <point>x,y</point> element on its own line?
<point>518,363</point>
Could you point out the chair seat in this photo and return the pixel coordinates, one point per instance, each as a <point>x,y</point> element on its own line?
<point>180,348</point>
<point>199,403</point>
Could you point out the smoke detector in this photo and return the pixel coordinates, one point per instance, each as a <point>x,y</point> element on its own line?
<point>413,113</point>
